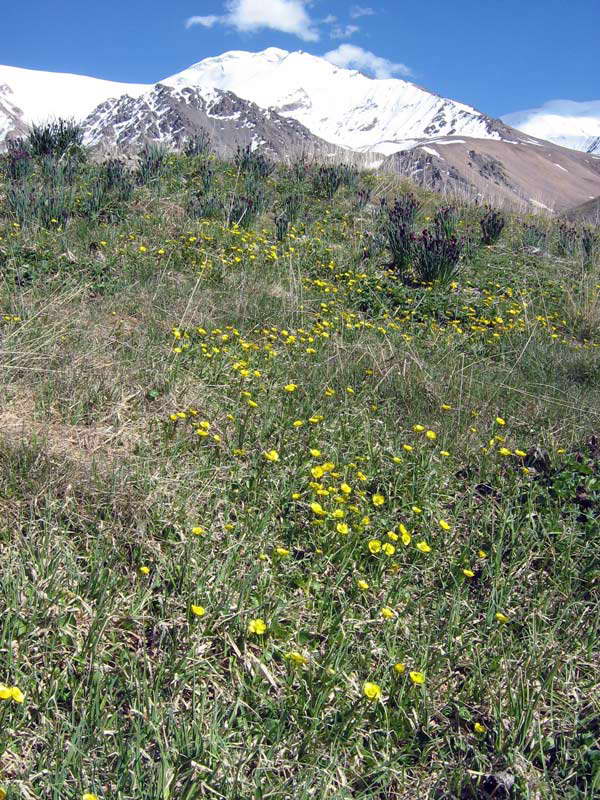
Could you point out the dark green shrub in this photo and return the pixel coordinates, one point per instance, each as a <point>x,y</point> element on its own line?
<point>533,236</point>
<point>28,203</point>
<point>362,198</point>
<point>151,162</point>
<point>397,227</point>
<point>16,163</point>
<point>282,224</point>
<point>253,162</point>
<point>492,224</point>
<point>204,206</point>
<point>55,138</point>
<point>328,178</point>
<point>405,209</point>
<point>436,256</point>
<point>445,221</point>
<point>198,145</point>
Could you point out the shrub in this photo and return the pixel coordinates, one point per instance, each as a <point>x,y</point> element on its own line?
<point>47,205</point>
<point>16,163</point>
<point>55,138</point>
<point>116,178</point>
<point>282,224</point>
<point>362,198</point>
<point>204,206</point>
<point>198,145</point>
<point>202,176</point>
<point>397,227</point>
<point>436,255</point>
<point>151,162</point>
<point>253,162</point>
<point>567,239</point>
<point>533,236</point>
<point>445,221</point>
<point>328,178</point>
<point>292,206</point>
<point>405,209</point>
<point>492,225</point>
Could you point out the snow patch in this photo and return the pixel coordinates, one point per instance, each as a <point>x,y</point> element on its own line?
<point>431,151</point>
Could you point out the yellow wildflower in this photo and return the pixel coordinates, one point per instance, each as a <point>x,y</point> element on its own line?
<point>297,658</point>
<point>362,585</point>
<point>387,612</point>
<point>378,499</point>
<point>372,691</point>
<point>271,455</point>
<point>400,668</point>
<point>257,626</point>
<point>198,611</point>
<point>423,547</point>
<point>417,677</point>
<point>443,525</point>
<point>501,617</point>
<point>375,546</point>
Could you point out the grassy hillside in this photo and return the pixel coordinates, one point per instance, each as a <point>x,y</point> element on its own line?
<point>279,518</point>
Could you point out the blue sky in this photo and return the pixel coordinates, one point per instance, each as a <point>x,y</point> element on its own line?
<point>498,55</point>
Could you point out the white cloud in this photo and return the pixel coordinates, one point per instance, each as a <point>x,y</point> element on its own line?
<point>350,55</point>
<point>206,22</point>
<point>247,16</point>
<point>339,32</point>
<point>360,11</point>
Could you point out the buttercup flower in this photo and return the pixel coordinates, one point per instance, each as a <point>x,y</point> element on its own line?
<point>372,691</point>
<point>257,626</point>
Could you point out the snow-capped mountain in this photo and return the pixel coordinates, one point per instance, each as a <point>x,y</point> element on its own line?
<point>38,96</point>
<point>342,106</point>
<point>172,115</point>
<point>568,123</point>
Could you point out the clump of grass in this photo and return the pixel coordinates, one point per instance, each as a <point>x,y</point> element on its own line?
<point>436,255</point>
<point>492,224</point>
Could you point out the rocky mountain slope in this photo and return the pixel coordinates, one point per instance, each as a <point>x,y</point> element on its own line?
<point>588,212</point>
<point>530,173</point>
<point>342,106</point>
<point>171,115</point>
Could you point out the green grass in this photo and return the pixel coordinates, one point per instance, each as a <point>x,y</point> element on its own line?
<point>144,363</point>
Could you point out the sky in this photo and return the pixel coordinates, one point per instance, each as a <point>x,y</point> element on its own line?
<point>497,55</point>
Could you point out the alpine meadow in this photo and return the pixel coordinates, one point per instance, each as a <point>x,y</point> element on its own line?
<point>299,482</point>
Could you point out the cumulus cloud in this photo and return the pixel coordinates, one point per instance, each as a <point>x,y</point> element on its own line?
<point>247,16</point>
<point>560,108</point>
<point>350,55</point>
<point>343,32</point>
<point>360,11</point>
<point>206,22</point>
